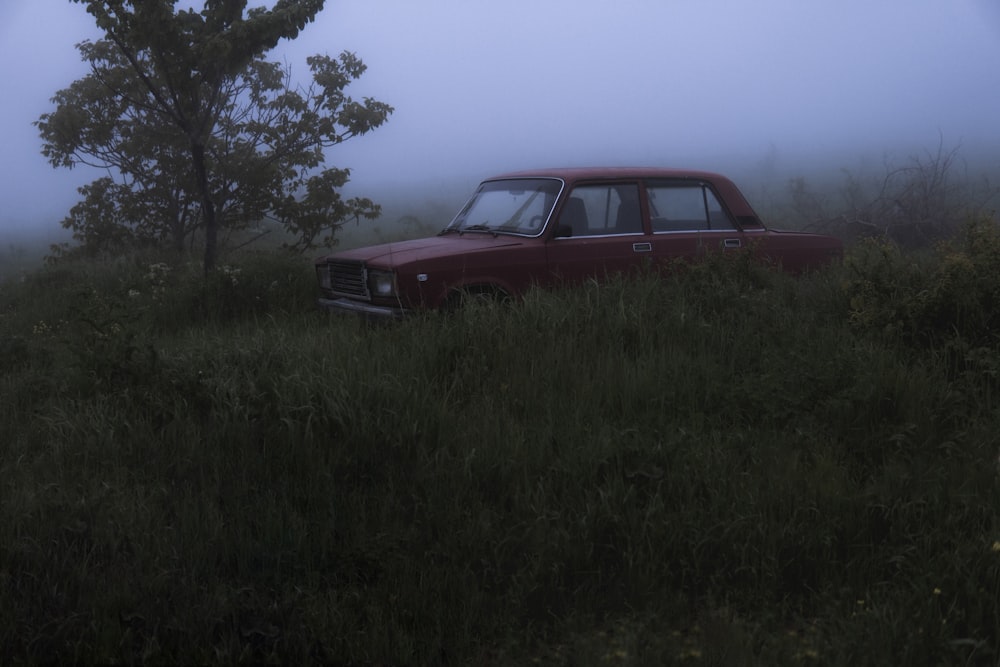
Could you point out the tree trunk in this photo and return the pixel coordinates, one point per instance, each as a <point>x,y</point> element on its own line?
<point>207,206</point>
<point>177,220</point>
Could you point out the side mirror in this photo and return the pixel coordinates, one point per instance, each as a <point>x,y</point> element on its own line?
<point>563,232</point>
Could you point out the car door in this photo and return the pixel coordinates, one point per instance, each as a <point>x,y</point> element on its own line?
<point>598,230</point>
<point>688,220</point>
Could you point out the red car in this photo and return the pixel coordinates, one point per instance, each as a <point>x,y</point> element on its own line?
<point>560,225</point>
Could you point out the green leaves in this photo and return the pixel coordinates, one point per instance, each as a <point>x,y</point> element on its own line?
<point>946,295</point>
<point>183,108</point>
<point>308,217</point>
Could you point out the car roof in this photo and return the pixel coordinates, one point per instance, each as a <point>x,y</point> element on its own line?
<point>586,173</point>
<point>733,198</point>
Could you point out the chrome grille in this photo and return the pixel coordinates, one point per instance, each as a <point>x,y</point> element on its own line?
<point>349,278</point>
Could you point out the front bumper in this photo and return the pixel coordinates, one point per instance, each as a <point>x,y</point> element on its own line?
<point>362,308</point>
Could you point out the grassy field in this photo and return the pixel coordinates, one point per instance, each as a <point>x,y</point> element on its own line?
<point>726,466</point>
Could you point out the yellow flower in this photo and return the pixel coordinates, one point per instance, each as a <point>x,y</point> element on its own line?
<point>996,546</point>
<point>937,591</point>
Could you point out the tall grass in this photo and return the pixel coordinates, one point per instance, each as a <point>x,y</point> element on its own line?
<point>726,465</point>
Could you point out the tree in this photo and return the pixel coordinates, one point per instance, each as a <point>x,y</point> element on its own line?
<point>914,204</point>
<point>198,131</point>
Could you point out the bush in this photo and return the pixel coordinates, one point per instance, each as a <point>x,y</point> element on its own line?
<point>945,297</point>
<point>248,287</point>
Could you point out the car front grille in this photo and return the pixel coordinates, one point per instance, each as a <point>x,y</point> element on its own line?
<point>347,278</point>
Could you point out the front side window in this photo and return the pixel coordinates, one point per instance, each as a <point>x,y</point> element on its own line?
<point>601,210</point>
<point>514,206</point>
<point>685,207</point>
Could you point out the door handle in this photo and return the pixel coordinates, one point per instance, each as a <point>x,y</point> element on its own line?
<point>645,246</point>
<point>731,243</point>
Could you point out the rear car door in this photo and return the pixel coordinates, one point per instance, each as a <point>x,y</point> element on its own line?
<point>687,220</point>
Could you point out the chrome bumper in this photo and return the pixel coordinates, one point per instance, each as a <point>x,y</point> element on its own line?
<point>362,308</point>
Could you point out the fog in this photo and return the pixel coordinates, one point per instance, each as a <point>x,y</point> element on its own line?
<point>757,90</point>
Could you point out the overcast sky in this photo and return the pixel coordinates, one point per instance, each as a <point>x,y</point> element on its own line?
<point>481,86</point>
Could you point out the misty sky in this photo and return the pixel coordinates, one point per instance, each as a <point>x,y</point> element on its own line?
<point>482,86</point>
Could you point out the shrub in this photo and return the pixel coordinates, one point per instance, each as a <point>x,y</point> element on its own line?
<point>947,296</point>
<point>248,286</point>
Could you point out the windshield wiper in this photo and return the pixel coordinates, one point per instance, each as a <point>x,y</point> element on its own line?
<point>478,228</point>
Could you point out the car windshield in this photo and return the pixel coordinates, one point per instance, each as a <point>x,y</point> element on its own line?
<point>514,206</point>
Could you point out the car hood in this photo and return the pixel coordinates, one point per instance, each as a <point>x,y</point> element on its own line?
<point>404,252</point>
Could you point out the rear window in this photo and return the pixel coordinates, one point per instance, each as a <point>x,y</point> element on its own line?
<point>684,207</point>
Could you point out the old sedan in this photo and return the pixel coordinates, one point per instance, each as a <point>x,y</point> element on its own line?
<point>561,225</point>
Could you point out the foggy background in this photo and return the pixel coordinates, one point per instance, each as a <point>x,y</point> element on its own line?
<point>760,91</point>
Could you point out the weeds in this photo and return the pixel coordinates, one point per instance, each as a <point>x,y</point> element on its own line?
<point>724,466</point>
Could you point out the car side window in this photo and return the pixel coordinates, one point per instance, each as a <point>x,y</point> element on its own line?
<point>601,210</point>
<point>685,207</point>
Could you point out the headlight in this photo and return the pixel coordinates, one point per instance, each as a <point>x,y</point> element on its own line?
<point>323,274</point>
<point>381,283</point>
